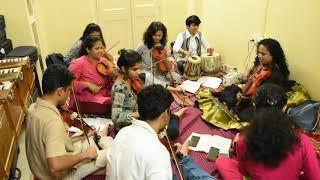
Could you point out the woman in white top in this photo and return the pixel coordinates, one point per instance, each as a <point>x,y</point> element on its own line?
<point>154,37</point>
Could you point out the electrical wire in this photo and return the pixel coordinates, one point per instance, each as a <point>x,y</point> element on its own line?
<point>247,58</point>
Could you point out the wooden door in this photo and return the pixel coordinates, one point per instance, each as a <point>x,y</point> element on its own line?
<point>126,21</point>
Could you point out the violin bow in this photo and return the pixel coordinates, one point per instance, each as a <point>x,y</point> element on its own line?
<point>112,46</point>
<point>106,53</point>
<point>79,114</point>
<point>231,115</point>
<point>174,157</point>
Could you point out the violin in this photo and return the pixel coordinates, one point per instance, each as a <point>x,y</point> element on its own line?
<point>160,56</point>
<point>107,68</point>
<point>159,53</point>
<point>76,122</point>
<point>259,74</point>
<point>172,149</point>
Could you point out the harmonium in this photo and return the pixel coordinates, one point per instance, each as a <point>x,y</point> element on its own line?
<point>16,88</point>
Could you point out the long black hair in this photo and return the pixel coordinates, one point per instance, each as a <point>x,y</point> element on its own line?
<point>270,95</point>
<point>128,58</point>
<point>280,71</point>
<point>88,42</point>
<point>270,137</point>
<point>151,30</point>
<point>92,27</point>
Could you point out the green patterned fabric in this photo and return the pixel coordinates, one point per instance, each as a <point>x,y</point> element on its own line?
<point>214,114</point>
<point>298,95</point>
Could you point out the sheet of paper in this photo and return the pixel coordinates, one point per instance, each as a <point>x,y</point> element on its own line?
<point>211,82</point>
<point>191,86</point>
<point>207,141</point>
<point>98,122</point>
<point>74,129</point>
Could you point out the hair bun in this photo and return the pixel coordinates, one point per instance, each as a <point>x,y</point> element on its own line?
<point>122,51</point>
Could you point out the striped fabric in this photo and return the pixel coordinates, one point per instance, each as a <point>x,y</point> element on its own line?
<point>192,122</point>
<point>182,100</point>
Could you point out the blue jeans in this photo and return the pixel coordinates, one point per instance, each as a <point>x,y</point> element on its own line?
<point>192,171</point>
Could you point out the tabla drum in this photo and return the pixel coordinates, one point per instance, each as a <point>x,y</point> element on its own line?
<point>192,69</point>
<point>211,64</point>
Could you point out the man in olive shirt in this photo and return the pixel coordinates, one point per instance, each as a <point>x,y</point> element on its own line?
<point>50,151</point>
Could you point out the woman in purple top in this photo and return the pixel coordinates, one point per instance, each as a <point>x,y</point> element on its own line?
<point>93,92</point>
<point>271,148</point>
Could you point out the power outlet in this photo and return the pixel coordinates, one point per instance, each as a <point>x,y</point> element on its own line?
<point>255,38</point>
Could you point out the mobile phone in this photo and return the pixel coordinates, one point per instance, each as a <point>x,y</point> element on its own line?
<point>213,154</point>
<point>194,141</point>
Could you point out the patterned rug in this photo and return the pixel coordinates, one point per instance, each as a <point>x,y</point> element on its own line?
<point>192,122</point>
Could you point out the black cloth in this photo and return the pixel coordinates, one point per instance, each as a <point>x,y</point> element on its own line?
<point>180,65</point>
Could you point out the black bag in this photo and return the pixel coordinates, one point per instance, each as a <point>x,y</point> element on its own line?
<point>2,22</point>
<point>55,58</point>
<point>2,53</point>
<point>305,115</point>
<point>7,46</point>
<point>22,51</point>
<point>3,36</point>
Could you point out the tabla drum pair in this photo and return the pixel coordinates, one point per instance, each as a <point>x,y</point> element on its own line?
<point>208,64</point>
<point>211,64</point>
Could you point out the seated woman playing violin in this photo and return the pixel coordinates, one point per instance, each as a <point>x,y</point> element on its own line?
<point>92,90</point>
<point>124,98</point>
<point>269,66</point>
<point>154,55</point>
<point>125,88</point>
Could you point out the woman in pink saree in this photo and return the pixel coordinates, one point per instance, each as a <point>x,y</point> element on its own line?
<point>92,91</point>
